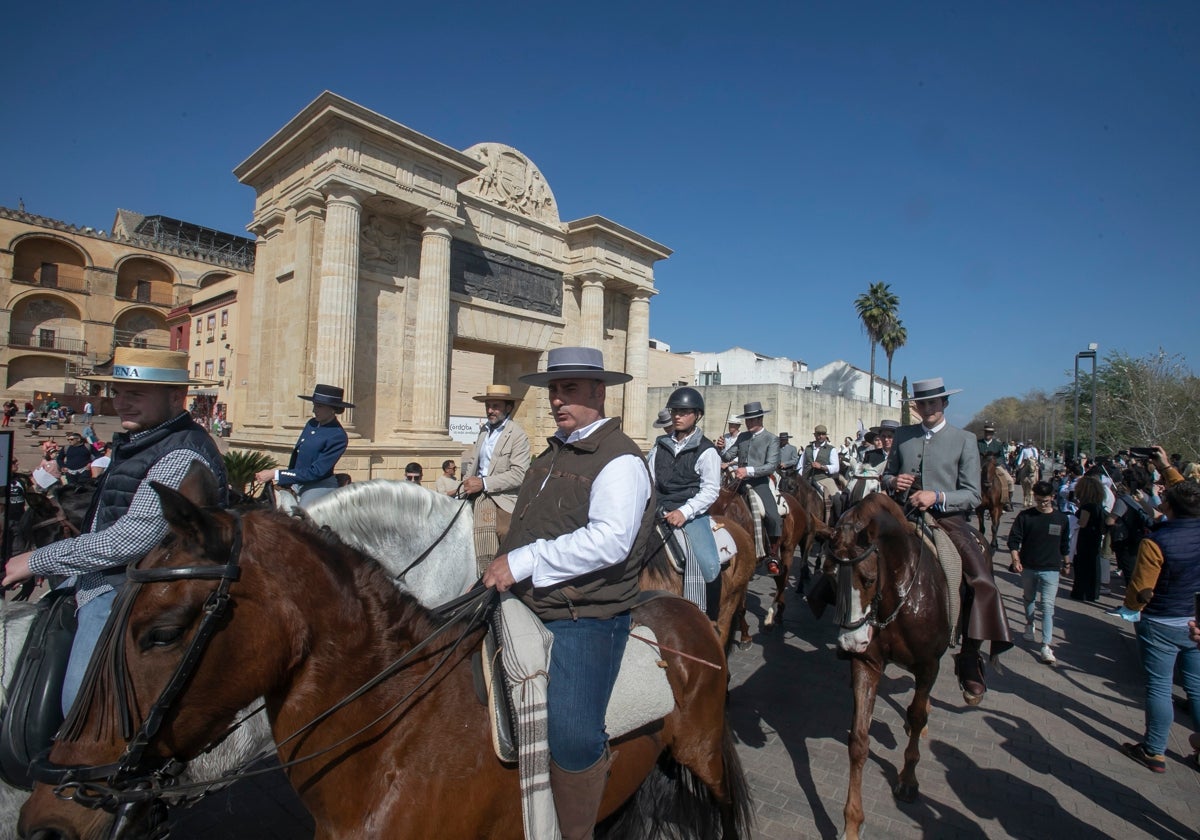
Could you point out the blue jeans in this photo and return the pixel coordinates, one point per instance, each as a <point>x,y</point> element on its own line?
<point>584,662</point>
<point>91,618</point>
<point>1042,584</point>
<point>1160,645</point>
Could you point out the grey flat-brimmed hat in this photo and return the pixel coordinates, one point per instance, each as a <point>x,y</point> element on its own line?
<point>753,409</point>
<point>575,363</point>
<point>664,419</point>
<point>889,425</point>
<point>927,389</point>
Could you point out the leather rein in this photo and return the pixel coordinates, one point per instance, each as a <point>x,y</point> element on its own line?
<point>131,779</point>
<point>871,615</point>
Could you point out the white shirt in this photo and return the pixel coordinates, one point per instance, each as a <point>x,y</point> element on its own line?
<point>616,502</point>
<point>931,432</point>
<point>835,463</point>
<point>708,467</point>
<point>1027,453</point>
<point>488,447</point>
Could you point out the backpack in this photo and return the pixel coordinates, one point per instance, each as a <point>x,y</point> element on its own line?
<point>1133,525</point>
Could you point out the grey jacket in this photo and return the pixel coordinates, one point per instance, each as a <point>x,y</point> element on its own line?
<point>757,451</point>
<point>506,471</point>
<point>948,462</point>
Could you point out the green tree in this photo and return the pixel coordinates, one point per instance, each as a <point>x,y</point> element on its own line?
<point>905,405</point>
<point>876,309</point>
<point>893,338</point>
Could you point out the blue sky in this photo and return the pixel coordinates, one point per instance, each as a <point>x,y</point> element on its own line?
<point>1025,175</point>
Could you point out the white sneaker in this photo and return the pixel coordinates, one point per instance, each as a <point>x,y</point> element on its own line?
<point>1029,636</point>
<point>1047,656</point>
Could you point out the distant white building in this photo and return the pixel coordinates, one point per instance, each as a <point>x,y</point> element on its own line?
<point>844,379</point>
<point>739,366</point>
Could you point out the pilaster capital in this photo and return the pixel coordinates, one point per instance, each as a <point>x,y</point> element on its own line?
<point>641,295</point>
<point>309,203</point>
<point>439,224</point>
<point>340,190</point>
<point>591,280</point>
<point>268,223</point>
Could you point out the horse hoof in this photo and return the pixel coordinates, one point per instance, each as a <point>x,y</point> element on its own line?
<point>972,699</point>
<point>906,793</point>
<point>745,644</point>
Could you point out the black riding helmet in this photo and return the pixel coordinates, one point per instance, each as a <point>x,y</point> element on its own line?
<point>686,398</point>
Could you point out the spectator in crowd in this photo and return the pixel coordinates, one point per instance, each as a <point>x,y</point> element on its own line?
<point>1165,580</point>
<point>447,482</point>
<point>33,421</point>
<point>103,458</point>
<point>89,413</point>
<point>413,472</point>
<point>1130,521</point>
<point>75,459</point>
<point>1089,495</point>
<point>1040,540</point>
<point>10,411</point>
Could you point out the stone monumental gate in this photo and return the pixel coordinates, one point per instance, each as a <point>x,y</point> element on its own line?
<point>382,252</point>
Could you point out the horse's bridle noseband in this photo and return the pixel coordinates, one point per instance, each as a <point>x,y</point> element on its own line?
<point>869,617</point>
<point>129,778</point>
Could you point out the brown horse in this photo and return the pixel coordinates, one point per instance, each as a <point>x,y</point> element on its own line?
<point>798,532</point>
<point>371,703</point>
<point>659,574</point>
<point>1028,474</point>
<point>891,608</point>
<point>993,497</point>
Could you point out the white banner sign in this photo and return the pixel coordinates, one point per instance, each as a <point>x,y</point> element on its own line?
<point>465,429</point>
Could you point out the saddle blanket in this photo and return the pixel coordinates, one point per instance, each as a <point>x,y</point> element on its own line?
<point>641,695</point>
<point>726,548</point>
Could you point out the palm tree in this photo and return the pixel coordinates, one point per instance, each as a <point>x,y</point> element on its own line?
<point>893,338</point>
<point>876,309</point>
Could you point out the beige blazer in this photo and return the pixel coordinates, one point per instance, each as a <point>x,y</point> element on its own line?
<point>506,471</point>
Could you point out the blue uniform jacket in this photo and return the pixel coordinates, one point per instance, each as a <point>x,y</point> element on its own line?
<point>316,454</point>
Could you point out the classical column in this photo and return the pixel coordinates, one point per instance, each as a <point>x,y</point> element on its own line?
<point>637,364</point>
<point>260,395</point>
<point>591,311</point>
<point>431,357</point>
<point>339,292</point>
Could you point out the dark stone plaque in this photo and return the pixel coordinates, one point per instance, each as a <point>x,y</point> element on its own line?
<point>497,277</point>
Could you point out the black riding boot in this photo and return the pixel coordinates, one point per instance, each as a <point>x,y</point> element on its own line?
<point>712,595</point>
<point>968,665</point>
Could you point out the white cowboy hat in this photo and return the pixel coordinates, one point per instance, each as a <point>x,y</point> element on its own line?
<point>927,389</point>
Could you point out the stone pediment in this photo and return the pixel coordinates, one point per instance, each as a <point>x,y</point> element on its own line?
<point>512,181</point>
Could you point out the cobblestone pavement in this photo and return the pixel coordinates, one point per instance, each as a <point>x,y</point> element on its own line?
<point>1040,757</point>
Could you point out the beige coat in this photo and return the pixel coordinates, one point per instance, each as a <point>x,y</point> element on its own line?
<point>510,459</point>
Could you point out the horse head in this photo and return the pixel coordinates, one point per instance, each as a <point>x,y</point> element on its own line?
<point>862,550</point>
<point>125,730</point>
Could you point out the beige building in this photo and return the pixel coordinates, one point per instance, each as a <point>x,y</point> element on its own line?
<point>69,295</point>
<point>411,273</point>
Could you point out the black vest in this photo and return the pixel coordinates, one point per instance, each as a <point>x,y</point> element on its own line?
<point>132,459</point>
<point>675,476</point>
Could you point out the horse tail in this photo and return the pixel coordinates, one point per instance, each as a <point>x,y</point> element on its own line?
<point>673,802</point>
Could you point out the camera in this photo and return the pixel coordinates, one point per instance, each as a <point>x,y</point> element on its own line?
<point>1141,451</point>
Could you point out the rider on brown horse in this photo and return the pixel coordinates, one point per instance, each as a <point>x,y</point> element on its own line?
<point>819,464</point>
<point>934,467</point>
<point>756,454</point>
<point>990,445</point>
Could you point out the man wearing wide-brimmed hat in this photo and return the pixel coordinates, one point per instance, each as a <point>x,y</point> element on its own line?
<point>789,456</point>
<point>494,467</point>
<point>322,441</point>
<point>726,440</point>
<point>989,444</point>
<point>755,455</point>
<point>160,443</point>
<point>819,465</point>
<point>573,554</point>
<point>934,467</point>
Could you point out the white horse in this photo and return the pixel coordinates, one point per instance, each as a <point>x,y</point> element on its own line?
<point>396,522</point>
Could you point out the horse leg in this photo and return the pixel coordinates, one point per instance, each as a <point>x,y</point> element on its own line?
<point>744,641</point>
<point>918,717</point>
<point>864,678</point>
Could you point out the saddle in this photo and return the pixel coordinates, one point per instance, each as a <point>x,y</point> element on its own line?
<point>32,712</point>
<point>982,604</point>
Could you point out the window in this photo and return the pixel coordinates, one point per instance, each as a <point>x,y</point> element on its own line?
<point>49,275</point>
<point>196,371</point>
<point>709,377</point>
<point>140,342</point>
<point>221,368</point>
<point>199,326</point>
<point>212,322</point>
<point>143,291</point>
<point>208,369</point>
<point>46,339</point>
<point>224,317</point>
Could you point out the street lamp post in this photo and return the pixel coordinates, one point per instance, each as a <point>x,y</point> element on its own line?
<point>1089,353</point>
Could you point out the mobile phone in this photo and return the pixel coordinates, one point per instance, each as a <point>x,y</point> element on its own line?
<point>1197,613</point>
<point>1141,452</point>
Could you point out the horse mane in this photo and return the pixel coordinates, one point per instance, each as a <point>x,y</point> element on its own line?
<point>367,514</point>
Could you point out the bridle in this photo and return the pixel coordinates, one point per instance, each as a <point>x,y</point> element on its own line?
<point>133,780</point>
<point>845,572</point>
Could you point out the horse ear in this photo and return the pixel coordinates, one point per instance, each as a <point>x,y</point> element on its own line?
<point>199,486</point>
<point>181,513</point>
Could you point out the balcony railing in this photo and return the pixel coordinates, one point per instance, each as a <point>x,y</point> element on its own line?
<point>53,344</point>
<point>155,297</point>
<point>67,278</point>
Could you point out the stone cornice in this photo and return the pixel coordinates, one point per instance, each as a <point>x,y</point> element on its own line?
<point>329,108</point>
<point>267,221</point>
<point>599,224</point>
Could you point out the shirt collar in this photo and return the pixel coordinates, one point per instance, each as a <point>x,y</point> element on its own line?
<point>931,432</point>
<point>580,434</point>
